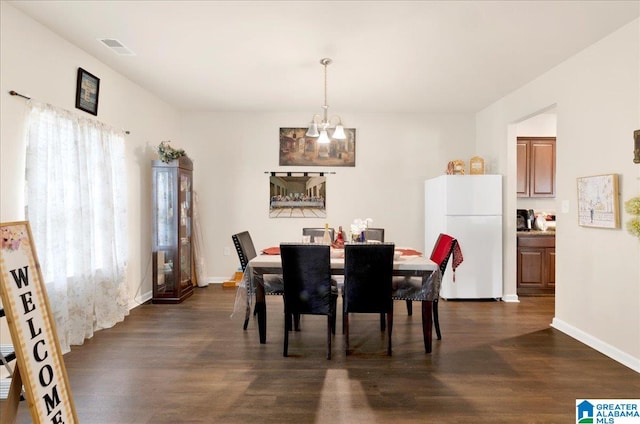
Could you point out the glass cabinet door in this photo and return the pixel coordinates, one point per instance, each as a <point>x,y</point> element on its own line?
<point>185,228</point>
<point>172,224</point>
<point>166,231</point>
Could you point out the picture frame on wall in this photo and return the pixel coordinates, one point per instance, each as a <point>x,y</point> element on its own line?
<point>296,149</point>
<point>87,92</point>
<point>598,201</point>
<point>301,196</point>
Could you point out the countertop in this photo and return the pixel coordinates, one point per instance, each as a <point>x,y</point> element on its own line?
<point>536,233</point>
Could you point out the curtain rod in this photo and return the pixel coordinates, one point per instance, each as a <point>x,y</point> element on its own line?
<point>15,93</point>
<point>298,173</point>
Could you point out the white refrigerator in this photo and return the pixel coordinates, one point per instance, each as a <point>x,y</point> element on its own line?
<point>468,208</point>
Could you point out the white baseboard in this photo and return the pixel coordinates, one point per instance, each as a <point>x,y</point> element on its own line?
<point>597,344</point>
<point>216,280</point>
<point>511,298</point>
<point>139,300</point>
<point>145,297</point>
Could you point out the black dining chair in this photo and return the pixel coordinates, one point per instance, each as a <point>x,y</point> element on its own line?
<point>306,271</point>
<point>412,289</point>
<point>318,232</point>
<point>368,269</point>
<point>246,251</point>
<point>374,234</point>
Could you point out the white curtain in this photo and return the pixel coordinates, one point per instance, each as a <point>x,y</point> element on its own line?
<point>76,205</point>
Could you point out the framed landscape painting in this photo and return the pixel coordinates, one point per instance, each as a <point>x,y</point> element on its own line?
<point>296,149</point>
<point>598,201</point>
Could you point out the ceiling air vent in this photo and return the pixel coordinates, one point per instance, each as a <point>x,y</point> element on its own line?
<point>116,46</point>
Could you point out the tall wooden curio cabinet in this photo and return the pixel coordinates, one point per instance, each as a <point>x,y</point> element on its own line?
<point>172,207</point>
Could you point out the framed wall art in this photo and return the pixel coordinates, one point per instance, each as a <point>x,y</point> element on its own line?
<point>297,196</point>
<point>598,201</point>
<point>87,91</point>
<point>296,149</point>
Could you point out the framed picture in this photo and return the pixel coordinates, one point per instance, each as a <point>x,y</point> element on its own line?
<point>87,91</point>
<point>297,196</point>
<point>296,149</point>
<point>598,201</point>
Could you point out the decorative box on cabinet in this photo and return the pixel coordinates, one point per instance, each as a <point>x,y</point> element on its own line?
<point>536,167</point>
<point>172,226</point>
<point>536,264</point>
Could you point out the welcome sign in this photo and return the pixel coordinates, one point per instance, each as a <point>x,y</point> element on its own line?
<point>39,359</point>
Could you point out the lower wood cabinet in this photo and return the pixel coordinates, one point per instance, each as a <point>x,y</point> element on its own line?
<point>536,264</point>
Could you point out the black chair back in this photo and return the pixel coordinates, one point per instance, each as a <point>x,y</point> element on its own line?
<point>368,269</point>
<point>374,234</point>
<point>306,270</point>
<point>244,247</point>
<point>318,232</point>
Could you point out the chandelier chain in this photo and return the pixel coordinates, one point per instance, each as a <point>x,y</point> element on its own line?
<point>325,85</point>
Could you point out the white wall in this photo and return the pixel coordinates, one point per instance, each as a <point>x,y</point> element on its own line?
<point>394,155</point>
<point>39,63</point>
<point>597,94</point>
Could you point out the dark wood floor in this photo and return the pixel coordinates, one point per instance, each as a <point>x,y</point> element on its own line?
<point>191,363</point>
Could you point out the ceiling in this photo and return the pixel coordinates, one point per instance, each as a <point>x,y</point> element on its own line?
<point>388,56</point>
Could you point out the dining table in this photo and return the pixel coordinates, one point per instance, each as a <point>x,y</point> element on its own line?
<point>409,264</point>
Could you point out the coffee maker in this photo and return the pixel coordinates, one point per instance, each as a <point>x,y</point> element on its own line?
<point>524,219</point>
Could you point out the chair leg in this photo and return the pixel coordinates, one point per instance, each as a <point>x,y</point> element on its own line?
<point>436,321</point>
<point>334,314</point>
<point>330,324</point>
<point>427,323</point>
<point>287,321</point>
<point>382,322</point>
<point>296,322</point>
<point>409,307</point>
<point>345,323</point>
<point>261,307</point>
<point>343,314</point>
<point>247,315</point>
<point>389,330</point>
<point>287,328</point>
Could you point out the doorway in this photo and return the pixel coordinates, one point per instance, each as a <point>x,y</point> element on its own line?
<point>535,169</point>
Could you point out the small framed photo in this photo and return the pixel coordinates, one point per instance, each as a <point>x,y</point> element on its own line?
<point>87,91</point>
<point>598,201</point>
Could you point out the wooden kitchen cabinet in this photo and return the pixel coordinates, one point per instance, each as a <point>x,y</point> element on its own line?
<point>536,264</point>
<point>536,167</point>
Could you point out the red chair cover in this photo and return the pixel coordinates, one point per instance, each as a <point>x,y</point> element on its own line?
<point>442,249</point>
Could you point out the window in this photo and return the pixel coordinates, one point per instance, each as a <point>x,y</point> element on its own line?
<point>76,205</point>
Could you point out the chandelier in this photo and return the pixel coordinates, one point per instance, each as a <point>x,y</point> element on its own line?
<point>320,124</point>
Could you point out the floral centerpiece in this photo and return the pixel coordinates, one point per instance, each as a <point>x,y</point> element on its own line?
<point>358,228</point>
<point>168,153</point>
<point>632,206</point>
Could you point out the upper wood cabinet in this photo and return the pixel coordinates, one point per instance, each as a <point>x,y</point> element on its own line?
<point>536,167</point>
